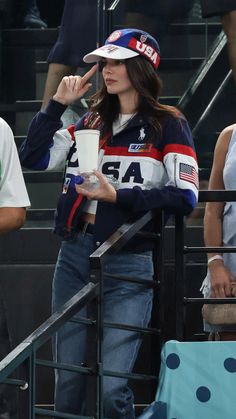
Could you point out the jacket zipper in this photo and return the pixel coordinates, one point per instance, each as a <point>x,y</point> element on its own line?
<point>175,169</point>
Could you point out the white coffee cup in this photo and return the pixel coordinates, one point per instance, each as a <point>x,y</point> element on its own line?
<point>87,144</point>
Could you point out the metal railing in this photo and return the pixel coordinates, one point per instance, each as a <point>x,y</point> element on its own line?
<point>25,353</point>
<point>91,294</point>
<point>180,259</point>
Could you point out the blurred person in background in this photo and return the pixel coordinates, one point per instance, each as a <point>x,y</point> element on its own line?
<point>226,10</point>
<point>155,16</point>
<point>22,14</point>
<point>77,34</point>
<point>13,202</point>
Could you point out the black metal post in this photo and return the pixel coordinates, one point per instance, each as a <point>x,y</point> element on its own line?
<point>94,385</point>
<point>180,277</point>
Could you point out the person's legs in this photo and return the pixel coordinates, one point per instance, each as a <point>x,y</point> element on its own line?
<point>229,26</point>
<point>71,275</point>
<point>124,302</point>
<point>155,17</point>
<point>127,303</point>
<point>77,36</point>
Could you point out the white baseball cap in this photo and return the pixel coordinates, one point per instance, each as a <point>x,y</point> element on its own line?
<point>127,43</point>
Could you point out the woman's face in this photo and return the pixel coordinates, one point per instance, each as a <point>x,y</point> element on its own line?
<point>116,78</point>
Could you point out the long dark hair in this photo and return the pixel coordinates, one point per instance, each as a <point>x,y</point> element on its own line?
<point>148,85</point>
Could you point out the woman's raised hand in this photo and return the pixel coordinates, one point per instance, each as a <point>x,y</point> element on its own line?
<point>72,88</point>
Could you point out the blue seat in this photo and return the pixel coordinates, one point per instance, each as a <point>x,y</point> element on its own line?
<point>198,380</point>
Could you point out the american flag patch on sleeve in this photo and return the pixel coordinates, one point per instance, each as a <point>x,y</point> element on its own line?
<point>188,173</point>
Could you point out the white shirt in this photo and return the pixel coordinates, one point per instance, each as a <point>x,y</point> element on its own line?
<point>120,123</point>
<point>13,191</point>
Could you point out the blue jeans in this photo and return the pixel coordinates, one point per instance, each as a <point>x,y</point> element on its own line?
<point>124,302</point>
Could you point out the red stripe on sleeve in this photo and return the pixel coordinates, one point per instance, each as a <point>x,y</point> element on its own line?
<point>180,149</point>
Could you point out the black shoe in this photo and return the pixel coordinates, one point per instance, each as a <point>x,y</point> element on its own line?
<point>33,19</point>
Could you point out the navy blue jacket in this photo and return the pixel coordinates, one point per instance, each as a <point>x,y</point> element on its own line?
<point>160,174</point>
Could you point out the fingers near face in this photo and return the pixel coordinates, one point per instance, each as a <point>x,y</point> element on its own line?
<point>76,82</point>
<point>90,73</point>
<point>70,81</point>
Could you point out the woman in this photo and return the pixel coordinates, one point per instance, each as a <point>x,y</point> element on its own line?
<point>218,230</point>
<point>148,148</point>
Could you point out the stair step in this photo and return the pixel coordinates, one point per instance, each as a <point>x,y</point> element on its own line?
<point>19,140</point>
<point>29,37</point>
<point>170,100</point>
<point>28,105</point>
<point>29,246</point>
<point>40,214</point>
<point>189,39</point>
<point>43,188</point>
<point>39,218</point>
<point>196,27</point>
<point>25,111</point>
<point>36,176</point>
<point>41,66</point>
<point>176,74</point>
<point>180,63</point>
<point>43,194</point>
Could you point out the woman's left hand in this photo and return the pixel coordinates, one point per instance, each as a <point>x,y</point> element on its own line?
<point>105,191</point>
<point>72,88</point>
